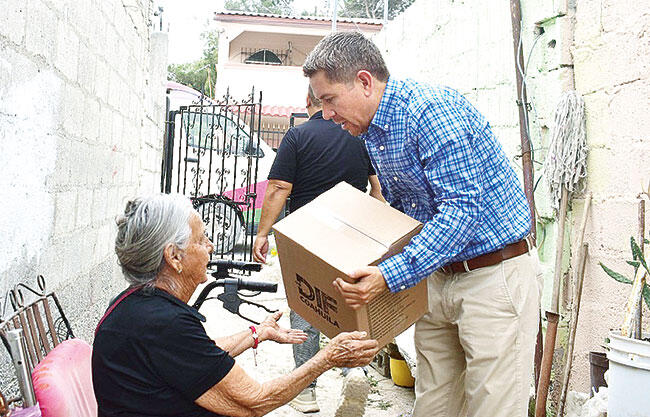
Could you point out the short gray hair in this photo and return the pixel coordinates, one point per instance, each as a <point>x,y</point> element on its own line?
<point>147,226</point>
<point>341,55</point>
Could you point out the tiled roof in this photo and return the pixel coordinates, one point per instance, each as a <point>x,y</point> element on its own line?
<point>281,111</point>
<point>377,22</point>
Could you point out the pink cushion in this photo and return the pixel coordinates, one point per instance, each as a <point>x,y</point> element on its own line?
<point>63,381</point>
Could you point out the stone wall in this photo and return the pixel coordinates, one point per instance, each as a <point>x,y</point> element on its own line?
<point>469,46</point>
<point>82,103</point>
<point>612,72</point>
<point>464,45</point>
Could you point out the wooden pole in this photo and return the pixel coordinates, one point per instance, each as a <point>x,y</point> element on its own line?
<point>553,315</point>
<point>578,265</point>
<point>638,328</point>
<point>526,157</point>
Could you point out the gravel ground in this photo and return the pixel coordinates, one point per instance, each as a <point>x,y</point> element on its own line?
<point>386,399</point>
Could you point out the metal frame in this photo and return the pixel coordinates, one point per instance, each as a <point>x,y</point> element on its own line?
<point>210,154</point>
<point>42,330</point>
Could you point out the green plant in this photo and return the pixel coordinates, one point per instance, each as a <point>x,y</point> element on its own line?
<point>638,261</point>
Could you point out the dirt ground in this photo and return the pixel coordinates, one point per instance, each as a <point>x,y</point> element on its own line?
<point>386,399</point>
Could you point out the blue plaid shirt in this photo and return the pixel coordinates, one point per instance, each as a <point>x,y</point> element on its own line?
<point>439,162</point>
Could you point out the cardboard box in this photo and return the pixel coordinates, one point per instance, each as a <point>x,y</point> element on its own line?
<point>339,231</point>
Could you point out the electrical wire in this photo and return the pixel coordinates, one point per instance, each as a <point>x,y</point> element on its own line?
<point>529,101</point>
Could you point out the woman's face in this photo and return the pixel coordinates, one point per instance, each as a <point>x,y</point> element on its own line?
<point>197,253</point>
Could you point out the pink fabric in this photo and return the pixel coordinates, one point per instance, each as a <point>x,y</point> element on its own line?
<point>63,381</point>
<point>26,412</point>
<point>240,193</point>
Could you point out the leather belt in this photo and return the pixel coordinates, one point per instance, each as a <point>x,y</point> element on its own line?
<point>490,259</point>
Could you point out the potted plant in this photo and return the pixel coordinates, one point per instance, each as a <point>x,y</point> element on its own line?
<point>629,349</point>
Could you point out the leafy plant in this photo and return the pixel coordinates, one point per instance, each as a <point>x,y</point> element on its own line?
<point>196,74</point>
<point>638,261</point>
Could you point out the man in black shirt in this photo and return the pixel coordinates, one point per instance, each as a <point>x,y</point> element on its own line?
<point>311,159</point>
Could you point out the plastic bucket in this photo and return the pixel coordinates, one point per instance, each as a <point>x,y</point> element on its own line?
<point>598,364</point>
<point>629,377</point>
<point>400,373</point>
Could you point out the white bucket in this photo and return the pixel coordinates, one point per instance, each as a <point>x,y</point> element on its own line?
<point>629,377</point>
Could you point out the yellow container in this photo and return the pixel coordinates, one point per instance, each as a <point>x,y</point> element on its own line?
<point>400,373</point>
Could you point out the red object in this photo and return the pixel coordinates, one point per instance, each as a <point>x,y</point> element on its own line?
<point>256,339</point>
<point>111,308</point>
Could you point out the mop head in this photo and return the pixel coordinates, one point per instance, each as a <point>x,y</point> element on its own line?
<point>566,160</point>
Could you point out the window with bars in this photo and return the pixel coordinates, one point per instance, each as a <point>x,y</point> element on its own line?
<point>264,56</point>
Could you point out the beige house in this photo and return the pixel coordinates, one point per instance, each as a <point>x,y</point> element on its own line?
<point>266,52</point>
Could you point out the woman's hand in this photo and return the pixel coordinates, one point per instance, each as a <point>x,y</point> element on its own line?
<point>270,330</point>
<point>351,350</point>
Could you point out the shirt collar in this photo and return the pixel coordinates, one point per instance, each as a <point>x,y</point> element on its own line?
<point>386,105</point>
<point>317,115</point>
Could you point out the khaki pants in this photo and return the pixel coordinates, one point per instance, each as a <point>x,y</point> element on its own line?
<point>475,346</point>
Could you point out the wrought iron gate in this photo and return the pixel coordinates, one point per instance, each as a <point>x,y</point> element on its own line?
<point>211,154</point>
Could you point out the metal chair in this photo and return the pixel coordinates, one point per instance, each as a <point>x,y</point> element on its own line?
<point>42,330</point>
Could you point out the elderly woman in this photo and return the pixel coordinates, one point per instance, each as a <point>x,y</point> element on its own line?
<point>151,355</point>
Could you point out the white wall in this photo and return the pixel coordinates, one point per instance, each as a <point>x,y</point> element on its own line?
<point>81,126</point>
<point>280,85</point>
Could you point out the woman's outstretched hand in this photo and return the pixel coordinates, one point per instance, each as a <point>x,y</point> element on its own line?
<point>351,350</point>
<point>270,330</point>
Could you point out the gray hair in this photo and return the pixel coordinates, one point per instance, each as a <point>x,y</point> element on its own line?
<point>341,55</point>
<point>315,101</point>
<point>145,229</point>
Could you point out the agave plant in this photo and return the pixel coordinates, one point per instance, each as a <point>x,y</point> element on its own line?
<point>638,282</point>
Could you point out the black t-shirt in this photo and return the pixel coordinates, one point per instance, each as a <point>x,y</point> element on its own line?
<point>152,357</point>
<point>316,156</point>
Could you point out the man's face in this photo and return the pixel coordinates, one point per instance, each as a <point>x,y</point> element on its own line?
<point>345,103</point>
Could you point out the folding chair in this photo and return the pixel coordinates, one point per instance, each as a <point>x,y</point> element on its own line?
<point>41,329</point>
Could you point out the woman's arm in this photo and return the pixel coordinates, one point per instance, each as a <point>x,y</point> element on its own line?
<point>238,395</point>
<point>267,330</point>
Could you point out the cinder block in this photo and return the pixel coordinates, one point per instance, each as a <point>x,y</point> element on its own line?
<point>610,212</point>
<point>40,32</point>
<point>627,110</point>
<point>100,200</point>
<point>12,20</point>
<point>86,69</point>
<point>84,205</point>
<point>67,51</point>
<point>108,9</point>
<point>592,68</point>
<point>106,125</point>
<point>102,79</point>
<point>598,119</point>
<point>91,119</point>
<point>588,21</point>
<point>114,93</point>
<point>118,131</point>
<point>86,256</point>
<point>65,212</point>
<point>104,246</point>
<point>72,110</point>
<point>619,17</point>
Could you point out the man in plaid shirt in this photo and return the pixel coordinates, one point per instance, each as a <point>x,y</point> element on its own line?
<point>439,162</point>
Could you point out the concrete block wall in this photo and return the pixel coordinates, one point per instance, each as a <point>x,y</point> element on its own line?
<point>612,72</point>
<point>464,45</point>
<point>82,103</point>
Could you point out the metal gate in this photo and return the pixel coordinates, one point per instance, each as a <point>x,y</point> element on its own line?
<point>211,154</point>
